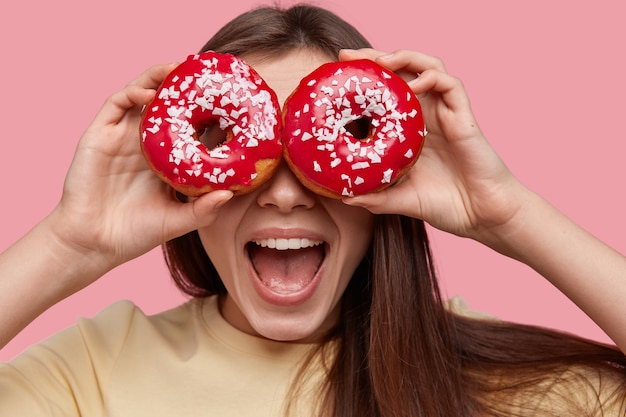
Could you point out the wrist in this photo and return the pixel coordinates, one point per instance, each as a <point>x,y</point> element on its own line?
<point>512,231</point>
<point>36,272</point>
<point>78,259</point>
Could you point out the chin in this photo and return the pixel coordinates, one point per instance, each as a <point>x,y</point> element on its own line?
<point>291,327</point>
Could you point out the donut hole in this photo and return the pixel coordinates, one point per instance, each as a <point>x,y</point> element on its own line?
<point>359,128</point>
<point>210,134</point>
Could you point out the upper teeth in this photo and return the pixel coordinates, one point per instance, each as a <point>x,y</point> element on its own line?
<point>284,244</point>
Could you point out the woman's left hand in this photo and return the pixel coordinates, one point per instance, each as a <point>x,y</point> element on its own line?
<point>459,184</point>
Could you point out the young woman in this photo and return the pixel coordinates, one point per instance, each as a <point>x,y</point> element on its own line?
<point>364,331</point>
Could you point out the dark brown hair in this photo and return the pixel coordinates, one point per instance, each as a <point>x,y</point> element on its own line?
<point>398,350</point>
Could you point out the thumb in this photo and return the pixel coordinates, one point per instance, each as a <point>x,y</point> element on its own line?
<point>374,202</point>
<point>198,213</point>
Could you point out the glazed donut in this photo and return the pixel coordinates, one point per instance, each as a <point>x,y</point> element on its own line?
<point>351,128</point>
<point>213,124</point>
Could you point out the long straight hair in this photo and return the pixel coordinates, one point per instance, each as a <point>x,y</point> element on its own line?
<point>398,350</point>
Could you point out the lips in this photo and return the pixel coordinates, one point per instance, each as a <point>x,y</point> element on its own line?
<point>286,266</point>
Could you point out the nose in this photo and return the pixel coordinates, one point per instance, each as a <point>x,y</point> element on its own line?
<point>284,192</point>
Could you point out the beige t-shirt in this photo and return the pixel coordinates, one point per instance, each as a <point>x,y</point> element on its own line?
<point>190,362</point>
<point>186,356</point>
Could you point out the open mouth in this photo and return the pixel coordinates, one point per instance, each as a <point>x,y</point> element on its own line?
<point>286,266</point>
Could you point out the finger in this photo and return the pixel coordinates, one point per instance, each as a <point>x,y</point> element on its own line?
<point>374,55</point>
<point>138,92</point>
<point>449,88</point>
<point>413,61</point>
<point>372,202</point>
<point>200,212</point>
<point>388,201</point>
<point>364,53</point>
<point>154,76</point>
<point>117,105</point>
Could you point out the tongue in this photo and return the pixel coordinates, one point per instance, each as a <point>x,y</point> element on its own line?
<point>286,271</point>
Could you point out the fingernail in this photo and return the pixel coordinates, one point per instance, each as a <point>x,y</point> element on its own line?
<point>351,201</point>
<point>224,198</point>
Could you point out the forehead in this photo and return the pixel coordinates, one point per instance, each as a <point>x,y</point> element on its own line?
<point>283,73</point>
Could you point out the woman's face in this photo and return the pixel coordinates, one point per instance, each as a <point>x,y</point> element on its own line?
<point>286,294</point>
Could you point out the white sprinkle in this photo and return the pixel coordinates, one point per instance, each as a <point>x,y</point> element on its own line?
<point>219,112</point>
<point>217,153</point>
<point>387,176</point>
<point>386,95</point>
<point>360,165</point>
<point>175,111</point>
<point>327,90</point>
<point>225,101</point>
<point>374,157</point>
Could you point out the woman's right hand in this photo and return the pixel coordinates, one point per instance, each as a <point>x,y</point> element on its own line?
<point>113,207</point>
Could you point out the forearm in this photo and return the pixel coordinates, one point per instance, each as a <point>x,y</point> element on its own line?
<point>36,272</point>
<point>589,272</point>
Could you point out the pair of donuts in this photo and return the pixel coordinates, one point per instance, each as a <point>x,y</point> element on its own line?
<point>349,128</point>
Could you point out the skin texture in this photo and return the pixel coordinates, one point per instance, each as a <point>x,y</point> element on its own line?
<point>285,208</point>
<point>113,209</point>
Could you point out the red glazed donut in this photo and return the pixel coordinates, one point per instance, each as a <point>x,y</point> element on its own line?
<point>214,124</point>
<point>351,128</point>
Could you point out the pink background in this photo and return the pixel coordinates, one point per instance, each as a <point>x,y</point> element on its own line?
<point>546,78</point>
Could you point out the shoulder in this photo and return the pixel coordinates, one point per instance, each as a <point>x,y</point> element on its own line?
<point>75,367</point>
<point>458,306</point>
<point>99,340</point>
<point>124,323</point>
